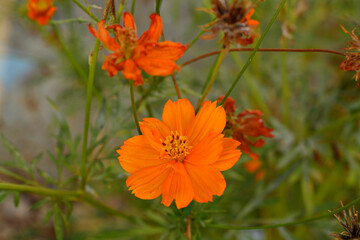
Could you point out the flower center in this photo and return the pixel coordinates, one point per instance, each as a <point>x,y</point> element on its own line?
<point>42,6</point>
<point>128,40</point>
<point>176,146</point>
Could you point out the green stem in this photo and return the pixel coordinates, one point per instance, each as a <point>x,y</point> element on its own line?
<point>136,119</point>
<point>255,50</point>
<point>121,8</point>
<point>133,7</point>
<point>90,85</point>
<point>214,71</point>
<point>210,74</point>
<point>17,177</point>
<point>86,10</point>
<point>284,224</point>
<point>65,194</point>
<point>71,20</point>
<point>158,5</point>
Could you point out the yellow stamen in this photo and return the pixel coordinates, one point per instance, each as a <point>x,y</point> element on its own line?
<point>176,146</point>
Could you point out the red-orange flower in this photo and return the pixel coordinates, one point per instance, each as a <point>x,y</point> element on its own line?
<point>131,55</point>
<point>247,124</point>
<point>352,62</point>
<point>181,156</point>
<point>40,10</point>
<point>234,20</point>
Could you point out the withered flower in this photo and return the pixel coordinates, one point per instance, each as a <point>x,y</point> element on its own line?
<point>234,21</point>
<point>352,62</point>
<point>247,124</point>
<point>350,223</point>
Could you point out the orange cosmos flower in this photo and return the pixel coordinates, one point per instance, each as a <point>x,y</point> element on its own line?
<point>40,10</point>
<point>352,62</point>
<point>234,20</point>
<point>131,54</point>
<point>180,157</point>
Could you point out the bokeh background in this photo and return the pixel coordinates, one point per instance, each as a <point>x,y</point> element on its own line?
<point>311,164</point>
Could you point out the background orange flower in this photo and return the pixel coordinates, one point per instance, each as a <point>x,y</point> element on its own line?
<point>181,156</point>
<point>131,55</point>
<point>41,10</point>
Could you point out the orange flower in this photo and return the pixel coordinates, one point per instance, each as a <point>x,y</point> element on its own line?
<point>234,20</point>
<point>352,62</point>
<point>131,54</point>
<point>40,10</point>
<point>181,156</point>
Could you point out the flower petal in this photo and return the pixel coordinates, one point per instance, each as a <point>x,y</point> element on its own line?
<point>177,186</point>
<point>154,130</point>
<point>147,183</point>
<point>166,50</point>
<point>207,151</point>
<point>128,21</point>
<point>229,156</point>
<point>178,115</point>
<point>132,71</point>
<point>104,36</point>
<point>154,32</point>
<point>156,67</point>
<point>111,65</point>
<point>137,153</point>
<point>206,181</point>
<point>210,119</point>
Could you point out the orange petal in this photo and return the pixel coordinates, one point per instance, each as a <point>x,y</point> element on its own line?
<point>128,21</point>
<point>154,32</point>
<point>147,183</point>
<point>166,50</point>
<point>207,151</point>
<point>154,130</point>
<point>210,119</point>
<point>104,36</point>
<point>156,67</point>
<point>177,186</point>
<point>178,115</point>
<point>132,71</point>
<point>137,153</point>
<point>229,156</point>
<point>206,181</point>
<point>252,165</point>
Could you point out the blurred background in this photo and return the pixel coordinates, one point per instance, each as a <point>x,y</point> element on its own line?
<point>311,164</point>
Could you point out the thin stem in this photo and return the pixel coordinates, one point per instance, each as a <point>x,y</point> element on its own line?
<point>121,8</point>
<point>213,76</point>
<point>133,7</point>
<point>255,50</point>
<point>285,224</point>
<point>93,60</point>
<point>86,10</point>
<point>188,228</point>
<point>65,194</point>
<point>16,176</point>
<point>71,20</point>
<point>264,50</point>
<point>176,86</point>
<point>133,105</point>
<point>210,74</point>
<point>158,5</point>
<point>70,56</point>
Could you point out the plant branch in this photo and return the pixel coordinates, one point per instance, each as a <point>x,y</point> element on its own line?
<point>318,50</point>
<point>86,10</point>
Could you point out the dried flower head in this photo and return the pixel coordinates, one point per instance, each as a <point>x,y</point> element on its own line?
<point>247,124</point>
<point>234,21</point>
<point>180,157</point>
<point>132,54</point>
<point>352,62</point>
<point>40,10</point>
<point>350,223</point>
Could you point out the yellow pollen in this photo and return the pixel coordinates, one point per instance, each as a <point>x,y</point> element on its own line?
<point>176,146</point>
<point>42,6</point>
<point>128,40</point>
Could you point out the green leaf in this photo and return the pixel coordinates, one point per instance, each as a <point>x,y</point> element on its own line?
<point>47,216</point>
<point>14,152</point>
<point>46,176</point>
<point>39,203</point>
<point>16,198</point>
<point>3,195</point>
<point>58,223</point>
